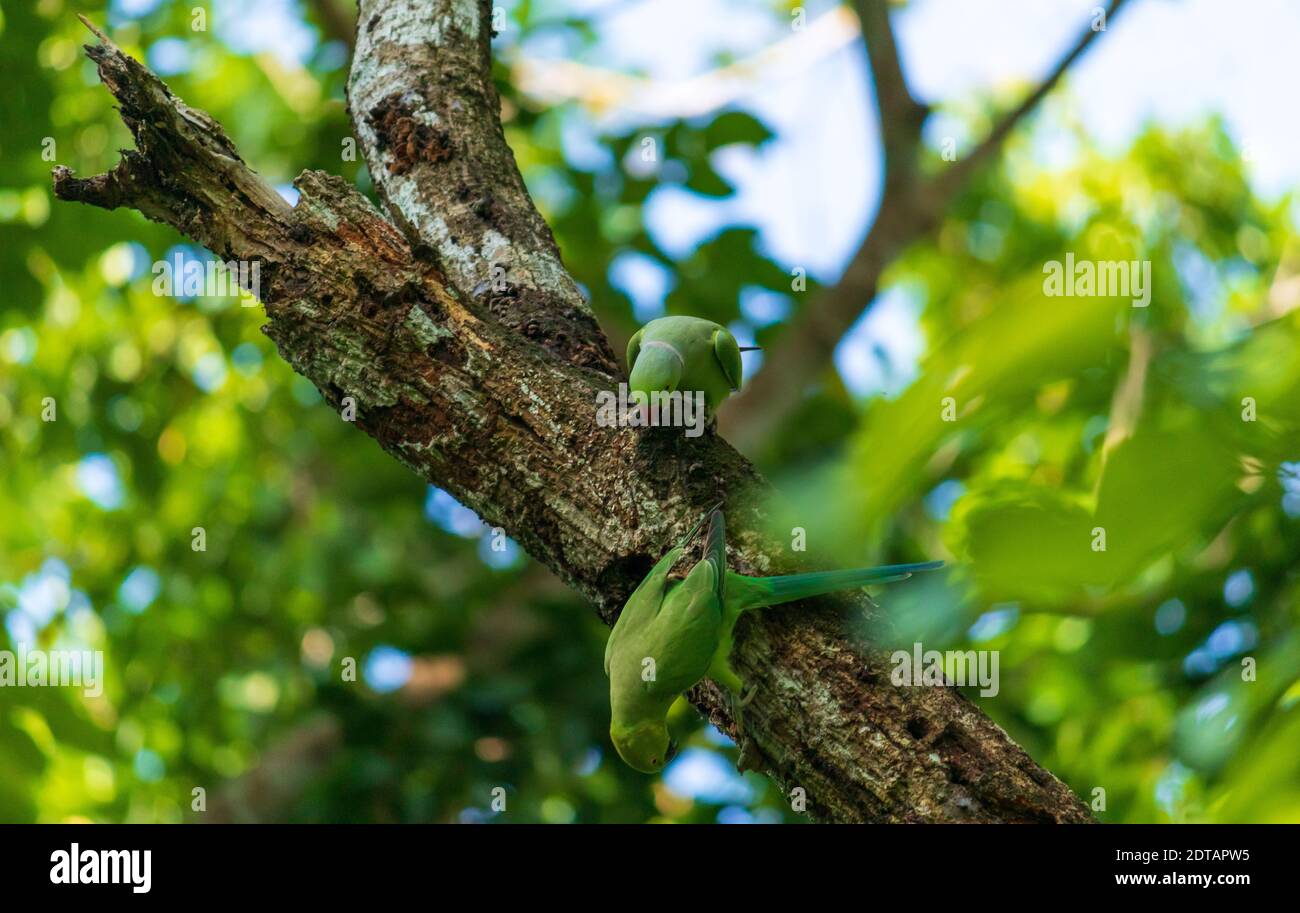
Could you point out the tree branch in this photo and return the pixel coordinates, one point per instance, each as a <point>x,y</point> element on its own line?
<point>950,182</point>
<point>428,117</point>
<point>910,208</point>
<point>508,427</point>
<point>900,115</point>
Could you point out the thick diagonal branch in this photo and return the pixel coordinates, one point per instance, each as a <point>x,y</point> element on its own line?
<point>911,207</point>
<point>428,118</point>
<point>509,427</point>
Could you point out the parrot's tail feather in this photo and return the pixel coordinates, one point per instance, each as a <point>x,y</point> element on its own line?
<point>893,579</point>
<point>686,539</point>
<point>715,550</point>
<point>776,590</point>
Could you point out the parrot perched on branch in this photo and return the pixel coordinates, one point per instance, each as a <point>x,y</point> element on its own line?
<point>672,634</point>
<point>686,354</point>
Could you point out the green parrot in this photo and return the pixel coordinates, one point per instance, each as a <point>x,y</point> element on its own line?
<point>671,634</point>
<point>687,354</point>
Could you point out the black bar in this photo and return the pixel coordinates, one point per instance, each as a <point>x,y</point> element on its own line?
<point>330,863</point>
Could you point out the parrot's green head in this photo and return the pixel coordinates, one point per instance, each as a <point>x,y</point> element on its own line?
<point>645,746</point>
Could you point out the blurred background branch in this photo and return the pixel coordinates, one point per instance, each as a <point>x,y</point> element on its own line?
<point>911,206</point>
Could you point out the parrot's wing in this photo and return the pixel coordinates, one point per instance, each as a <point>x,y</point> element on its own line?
<point>646,601</point>
<point>686,631</point>
<point>609,649</point>
<point>727,352</point>
<point>634,348</point>
<point>643,605</point>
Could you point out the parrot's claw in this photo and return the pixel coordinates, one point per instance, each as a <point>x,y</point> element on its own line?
<point>746,698</point>
<point>750,758</point>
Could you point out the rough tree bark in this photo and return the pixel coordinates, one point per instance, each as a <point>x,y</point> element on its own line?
<point>491,395</point>
<point>911,207</point>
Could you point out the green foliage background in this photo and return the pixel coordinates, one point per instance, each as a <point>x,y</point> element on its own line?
<point>1120,670</point>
